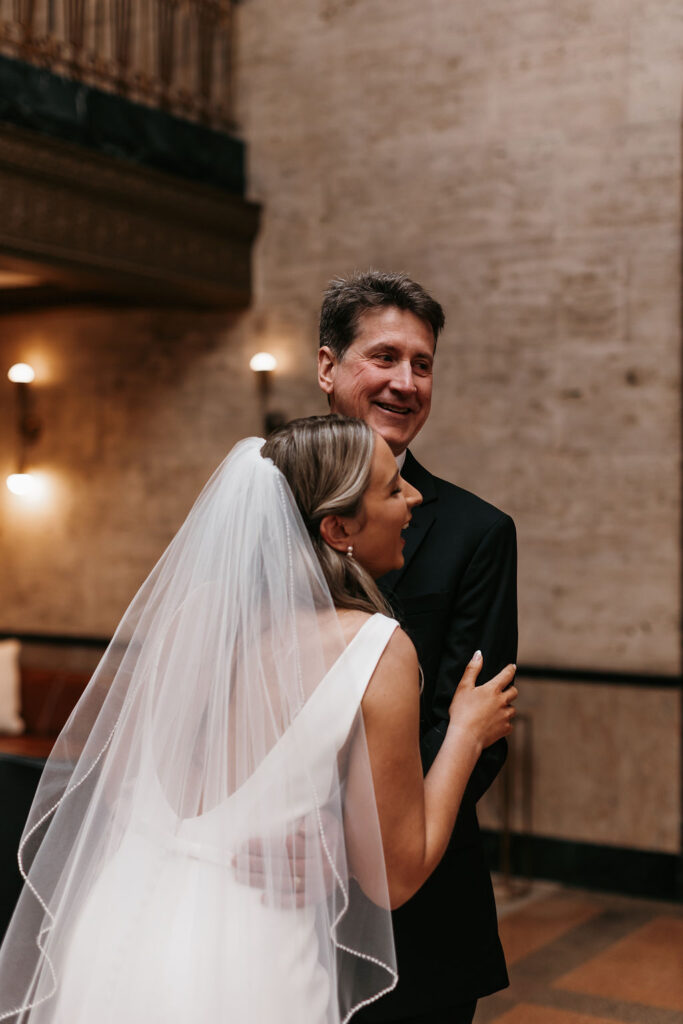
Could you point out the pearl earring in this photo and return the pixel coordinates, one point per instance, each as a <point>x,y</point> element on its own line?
<point>349,551</point>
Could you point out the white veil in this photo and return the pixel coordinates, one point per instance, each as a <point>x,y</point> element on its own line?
<point>193,736</point>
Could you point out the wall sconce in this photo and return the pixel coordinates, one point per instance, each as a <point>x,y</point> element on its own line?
<point>263,364</point>
<point>28,427</point>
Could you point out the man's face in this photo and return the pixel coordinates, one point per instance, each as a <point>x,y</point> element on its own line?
<point>385,375</point>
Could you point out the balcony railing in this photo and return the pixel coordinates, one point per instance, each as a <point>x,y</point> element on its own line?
<point>171,54</point>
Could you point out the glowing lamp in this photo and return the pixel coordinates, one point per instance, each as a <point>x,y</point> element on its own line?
<point>23,484</point>
<point>21,373</point>
<point>262,362</point>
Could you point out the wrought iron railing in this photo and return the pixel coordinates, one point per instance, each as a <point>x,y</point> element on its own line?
<point>171,54</point>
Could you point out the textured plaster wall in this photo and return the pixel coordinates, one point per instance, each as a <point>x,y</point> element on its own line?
<point>521,158</point>
<point>594,763</point>
<point>138,409</point>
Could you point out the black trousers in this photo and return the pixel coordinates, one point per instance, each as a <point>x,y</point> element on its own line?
<point>462,1014</point>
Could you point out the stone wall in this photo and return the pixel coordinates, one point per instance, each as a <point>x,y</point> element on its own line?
<point>523,161</point>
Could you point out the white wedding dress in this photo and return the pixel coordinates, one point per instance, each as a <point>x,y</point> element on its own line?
<point>167,934</point>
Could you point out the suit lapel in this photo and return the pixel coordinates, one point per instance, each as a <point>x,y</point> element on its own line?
<point>423,517</point>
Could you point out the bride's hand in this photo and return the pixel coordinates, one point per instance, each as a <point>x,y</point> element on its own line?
<point>484,712</point>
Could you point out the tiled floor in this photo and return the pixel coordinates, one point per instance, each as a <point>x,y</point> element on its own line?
<point>587,958</point>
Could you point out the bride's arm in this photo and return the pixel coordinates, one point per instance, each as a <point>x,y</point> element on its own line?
<point>416,813</point>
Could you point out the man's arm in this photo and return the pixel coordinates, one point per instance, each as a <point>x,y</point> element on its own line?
<point>484,617</point>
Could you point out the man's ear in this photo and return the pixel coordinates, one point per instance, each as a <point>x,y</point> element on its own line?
<point>336,531</point>
<point>327,364</point>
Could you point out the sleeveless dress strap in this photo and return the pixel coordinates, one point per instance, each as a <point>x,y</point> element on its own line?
<point>335,703</point>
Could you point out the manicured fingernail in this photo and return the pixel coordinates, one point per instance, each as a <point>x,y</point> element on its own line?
<point>476,657</point>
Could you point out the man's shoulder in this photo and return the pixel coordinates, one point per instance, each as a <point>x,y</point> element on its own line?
<point>467,502</point>
<point>454,499</point>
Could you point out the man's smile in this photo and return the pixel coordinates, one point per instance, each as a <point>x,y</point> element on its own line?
<point>400,410</point>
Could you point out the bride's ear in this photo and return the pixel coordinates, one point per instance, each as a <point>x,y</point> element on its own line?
<point>336,531</point>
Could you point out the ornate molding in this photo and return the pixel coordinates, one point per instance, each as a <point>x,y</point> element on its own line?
<point>143,232</point>
<point>171,54</point>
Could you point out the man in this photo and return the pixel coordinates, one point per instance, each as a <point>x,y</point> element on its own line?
<point>456,593</point>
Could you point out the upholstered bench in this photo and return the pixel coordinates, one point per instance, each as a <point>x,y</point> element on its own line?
<point>48,697</point>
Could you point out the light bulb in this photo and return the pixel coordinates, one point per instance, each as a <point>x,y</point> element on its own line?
<point>262,361</point>
<point>21,373</point>
<point>23,484</point>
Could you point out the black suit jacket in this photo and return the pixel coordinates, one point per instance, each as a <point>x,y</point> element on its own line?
<point>456,592</point>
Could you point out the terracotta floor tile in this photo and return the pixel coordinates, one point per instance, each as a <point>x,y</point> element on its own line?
<point>526,1013</point>
<point>644,967</point>
<point>541,922</point>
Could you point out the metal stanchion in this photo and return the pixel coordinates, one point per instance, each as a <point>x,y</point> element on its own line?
<point>515,790</point>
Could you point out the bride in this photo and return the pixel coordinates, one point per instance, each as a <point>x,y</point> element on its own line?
<point>257,695</point>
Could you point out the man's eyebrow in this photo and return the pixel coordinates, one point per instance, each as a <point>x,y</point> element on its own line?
<point>381,343</point>
<point>392,346</point>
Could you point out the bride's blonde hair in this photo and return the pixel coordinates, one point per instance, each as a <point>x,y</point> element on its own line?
<point>327,461</point>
